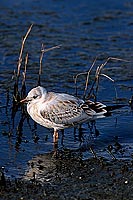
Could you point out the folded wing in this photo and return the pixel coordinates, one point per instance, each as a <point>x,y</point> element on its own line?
<point>69,110</point>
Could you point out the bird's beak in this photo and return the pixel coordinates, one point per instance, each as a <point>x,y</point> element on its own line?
<point>24,100</point>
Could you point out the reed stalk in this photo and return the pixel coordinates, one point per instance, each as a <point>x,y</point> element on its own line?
<point>21,50</point>
<point>43,50</point>
<point>98,73</point>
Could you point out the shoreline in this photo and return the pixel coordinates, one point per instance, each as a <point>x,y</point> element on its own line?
<point>70,177</point>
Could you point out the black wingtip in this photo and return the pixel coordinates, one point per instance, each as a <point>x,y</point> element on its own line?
<point>115,107</point>
<point>109,109</point>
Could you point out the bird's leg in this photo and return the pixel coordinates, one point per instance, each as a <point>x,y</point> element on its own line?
<point>55,139</point>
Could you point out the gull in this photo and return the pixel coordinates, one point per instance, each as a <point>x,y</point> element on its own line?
<point>60,110</point>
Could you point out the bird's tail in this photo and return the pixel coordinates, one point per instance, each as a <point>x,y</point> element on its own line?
<point>113,107</point>
<point>98,109</point>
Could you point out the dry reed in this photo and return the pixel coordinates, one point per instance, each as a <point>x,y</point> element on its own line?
<point>21,50</point>
<point>96,78</point>
<point>16,93</point>
<point>43,50</point>
<point>23,89</point>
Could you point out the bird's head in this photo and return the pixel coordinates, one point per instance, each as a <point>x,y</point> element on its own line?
<point>34,95</point>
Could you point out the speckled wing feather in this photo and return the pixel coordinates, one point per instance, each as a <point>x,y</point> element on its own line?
<point>94,108</point>
<point>69,110</point>
<point>62,109</point>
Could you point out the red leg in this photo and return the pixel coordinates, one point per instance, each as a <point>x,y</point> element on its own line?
<point>55,138</point>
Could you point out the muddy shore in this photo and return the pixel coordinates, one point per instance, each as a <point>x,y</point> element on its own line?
<point>67,176</point>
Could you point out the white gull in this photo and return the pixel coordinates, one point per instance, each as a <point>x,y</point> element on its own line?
<point>60,111</point>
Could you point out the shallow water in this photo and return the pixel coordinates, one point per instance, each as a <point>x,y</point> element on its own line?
<point>85,29</point>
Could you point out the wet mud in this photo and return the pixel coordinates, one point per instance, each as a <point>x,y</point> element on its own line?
<point>64,175</point>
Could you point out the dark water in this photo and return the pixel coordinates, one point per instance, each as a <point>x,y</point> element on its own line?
<point>85,29</point>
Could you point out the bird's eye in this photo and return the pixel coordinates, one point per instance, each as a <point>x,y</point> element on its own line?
<point>35,96</point>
